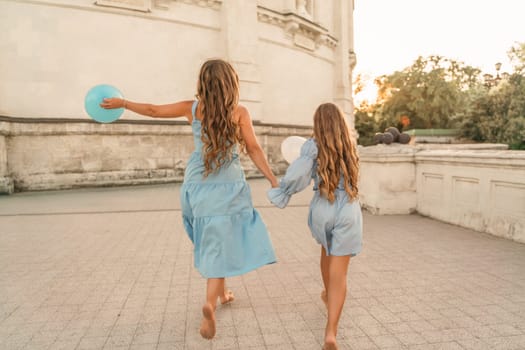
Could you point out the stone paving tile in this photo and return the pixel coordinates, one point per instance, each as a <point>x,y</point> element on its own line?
<point>112,269</point>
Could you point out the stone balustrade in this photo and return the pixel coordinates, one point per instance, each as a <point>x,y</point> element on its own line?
<point>481,187</point>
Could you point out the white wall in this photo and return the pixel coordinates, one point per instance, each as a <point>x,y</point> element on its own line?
<point>45,155</point>
<point>387,181</point>
<point>290,92</point>
<point>325,14</point>
<point>6,182</point>
<point>54,51</point>
<point>479,189</point>
<point>49,61</point>
<point>482,190</point>
<point>277,5</point>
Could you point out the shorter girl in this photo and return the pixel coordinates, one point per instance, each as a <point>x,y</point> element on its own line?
<point>335,218</point>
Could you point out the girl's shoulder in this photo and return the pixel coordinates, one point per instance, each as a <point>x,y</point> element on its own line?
<point>241,115</point>
<point>309,148</point>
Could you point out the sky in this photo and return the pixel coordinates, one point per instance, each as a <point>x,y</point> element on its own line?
<point>390,34</point>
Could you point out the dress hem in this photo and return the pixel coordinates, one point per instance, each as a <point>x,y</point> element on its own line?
<point>240,272</point>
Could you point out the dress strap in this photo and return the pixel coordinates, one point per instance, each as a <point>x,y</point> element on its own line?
<point>194,108</point>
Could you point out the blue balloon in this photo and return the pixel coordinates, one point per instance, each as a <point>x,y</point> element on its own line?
<point>94,98</point>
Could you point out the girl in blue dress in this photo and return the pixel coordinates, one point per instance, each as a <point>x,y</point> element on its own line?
<point>228,235</point>
<point>335,220</point>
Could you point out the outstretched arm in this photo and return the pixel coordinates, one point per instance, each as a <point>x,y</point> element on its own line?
<point>173,110</point>
<point>253,148</point>
<point>298,176</point>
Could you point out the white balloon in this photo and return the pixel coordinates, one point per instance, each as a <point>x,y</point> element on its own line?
<point>291,148</point>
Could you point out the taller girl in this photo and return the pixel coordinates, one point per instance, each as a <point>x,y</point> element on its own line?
<point>228,234</point>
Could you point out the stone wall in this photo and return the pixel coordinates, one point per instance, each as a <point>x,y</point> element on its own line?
<point>289,61</point>
<point>6,183</point>
<point>55,154</point>
<point>387,182</point>
<point>481,189</point>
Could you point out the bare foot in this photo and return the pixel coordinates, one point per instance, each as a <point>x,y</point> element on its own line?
<point>227,297</point>
<point>208,322</point>
<point>324,298</point>
<point>330,343</point>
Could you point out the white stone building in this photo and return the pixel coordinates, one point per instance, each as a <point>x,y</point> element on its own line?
<point>291,55</point>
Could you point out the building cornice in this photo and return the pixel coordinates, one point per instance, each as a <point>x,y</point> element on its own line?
<point>305,33</point>
<point>213,4</point>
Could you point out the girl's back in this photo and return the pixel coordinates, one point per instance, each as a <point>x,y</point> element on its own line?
<point>230,170</point>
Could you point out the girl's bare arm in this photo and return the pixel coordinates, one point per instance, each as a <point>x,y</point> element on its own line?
<point>255,152</point>
<point>173,110</point>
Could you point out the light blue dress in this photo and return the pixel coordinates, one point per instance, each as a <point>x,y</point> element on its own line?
<point>228,234</point>
<point>337,226</point>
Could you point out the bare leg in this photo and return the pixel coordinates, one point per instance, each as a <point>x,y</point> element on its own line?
<point>227,295</point>
<point>338,268</point>
<point>325,273</point>
<point>215,288</point>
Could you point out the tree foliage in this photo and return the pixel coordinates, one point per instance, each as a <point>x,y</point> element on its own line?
<point>436,92</point>
<point>517,57</point>
<point>498,114</point>
<point>431,92</point>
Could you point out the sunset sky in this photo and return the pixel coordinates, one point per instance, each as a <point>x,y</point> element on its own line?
<point>389,35</point>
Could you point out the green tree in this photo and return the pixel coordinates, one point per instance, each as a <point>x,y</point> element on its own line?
<point>517,57</point>
<point>436,92</point>
<point>432,92</point>
<point>497,113</point>
<point>367,123</point>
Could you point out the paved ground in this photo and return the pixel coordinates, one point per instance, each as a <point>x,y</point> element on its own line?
<point>112,269</point>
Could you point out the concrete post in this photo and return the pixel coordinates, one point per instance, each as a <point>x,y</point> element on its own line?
<point>289,6</point>
<point>343,30</point>
<point>240,37</point>
<point>6,183</point>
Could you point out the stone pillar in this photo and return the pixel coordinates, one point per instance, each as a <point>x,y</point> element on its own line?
<point>240,37</point>
<point>6,183</point>
<point>289,6</point>
<point>316,10</point>
<point>343,31</point>
<point>351,56</point>
<point>387,185</point>
<point>303,9</point>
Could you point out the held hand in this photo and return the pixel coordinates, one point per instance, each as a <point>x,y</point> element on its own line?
<point>113,102</point>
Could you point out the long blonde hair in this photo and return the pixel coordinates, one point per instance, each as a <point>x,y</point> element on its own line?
<point>218,94</point>
<point>336,152</point>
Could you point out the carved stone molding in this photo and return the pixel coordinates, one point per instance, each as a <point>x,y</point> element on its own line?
<point>352,59</point>
<point>304,33</point>
<point>147,5</point>
<point>137,5</point>
<point>214,4</point>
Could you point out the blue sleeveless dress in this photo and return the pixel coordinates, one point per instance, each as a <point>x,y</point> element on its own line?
<point>228,234</point>
<point>337,226</point>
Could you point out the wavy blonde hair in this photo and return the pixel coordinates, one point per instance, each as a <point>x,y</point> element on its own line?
<point>218,94</point>
<point>337,153</point>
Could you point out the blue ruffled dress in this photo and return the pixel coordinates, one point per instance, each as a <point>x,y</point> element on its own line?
<point>337,226</point>
<point>228,234</point>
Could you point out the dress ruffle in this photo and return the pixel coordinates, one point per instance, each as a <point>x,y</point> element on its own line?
<point>229,245</point>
